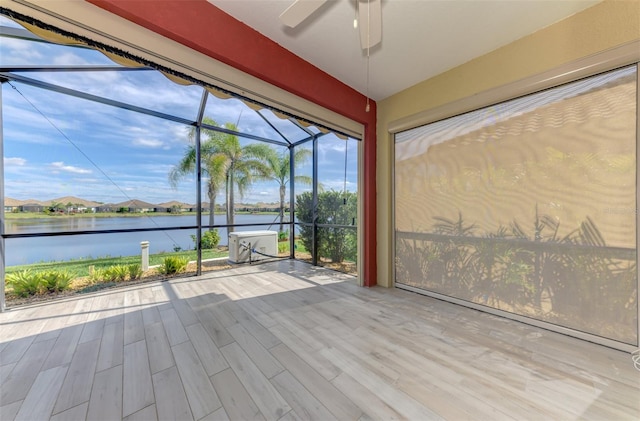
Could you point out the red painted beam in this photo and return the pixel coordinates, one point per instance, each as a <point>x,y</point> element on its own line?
<point>205,28</point>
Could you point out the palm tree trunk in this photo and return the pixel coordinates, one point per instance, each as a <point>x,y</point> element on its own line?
<point>227,194</point>
<point>283,190</point>
<point>212,206</point>
<point>230,213</point>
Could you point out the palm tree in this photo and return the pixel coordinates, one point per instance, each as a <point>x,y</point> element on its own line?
<point>214,165</point>
<point>280,172</point>
<point>243,165</point>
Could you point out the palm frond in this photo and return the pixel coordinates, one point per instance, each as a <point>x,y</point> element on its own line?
<point>185,167</point>
<point>304,180</point>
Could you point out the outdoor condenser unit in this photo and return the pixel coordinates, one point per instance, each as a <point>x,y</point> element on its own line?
<point>242,242</point>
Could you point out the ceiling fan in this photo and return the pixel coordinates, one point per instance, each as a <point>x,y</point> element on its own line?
<point>368,18</point>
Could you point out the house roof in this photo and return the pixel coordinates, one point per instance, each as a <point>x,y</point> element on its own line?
<point>175,203</point>
<point>72,199</point>
<point>12,202</point>
<point>134,203</point>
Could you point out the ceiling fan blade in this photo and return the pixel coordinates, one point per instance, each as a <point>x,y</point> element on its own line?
<point>299,11</point>
<point>370,22</point>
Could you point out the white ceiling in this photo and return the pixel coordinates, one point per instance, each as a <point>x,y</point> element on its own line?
<point>420,38</point>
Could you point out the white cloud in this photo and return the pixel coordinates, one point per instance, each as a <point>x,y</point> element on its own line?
<point>155,168</point>
<point>17,51</point>
<point>148,143</point>
<point>262,191</point>
<point>68,58</point>
<point>27,123</point>
<point>59,166</point>
<point>15,162</point>
<point>179,134</point>
<point>96,83</point>
<point>338,185</point>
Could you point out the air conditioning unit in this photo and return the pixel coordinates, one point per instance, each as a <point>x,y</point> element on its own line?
<point>241,244</point>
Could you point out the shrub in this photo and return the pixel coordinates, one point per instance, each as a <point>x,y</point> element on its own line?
<point>334,208</point>
<point>283,235</point>
<point>135,271</point>
<point>209,240</point>
<point>108,274</point>
<point>25,283</point>
<point>173,264</point>
<point>57,280</point>
<point>120,272</point>
<point>96,275</point>
<point>115,273</point>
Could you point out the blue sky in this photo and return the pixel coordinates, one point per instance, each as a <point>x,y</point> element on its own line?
<point>57,145</point>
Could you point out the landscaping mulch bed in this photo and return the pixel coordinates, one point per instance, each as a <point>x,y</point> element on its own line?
<point>84,286</point>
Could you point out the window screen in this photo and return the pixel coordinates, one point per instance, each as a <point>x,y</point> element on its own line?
<point>528,206</point>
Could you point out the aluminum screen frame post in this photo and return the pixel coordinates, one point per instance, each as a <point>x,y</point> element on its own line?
<point>292,198</point>
<point>314,218</point>
<point>203,104</point>
<point>2,217</point>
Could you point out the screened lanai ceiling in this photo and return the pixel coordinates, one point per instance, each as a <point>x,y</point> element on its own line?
<point>420,38</point>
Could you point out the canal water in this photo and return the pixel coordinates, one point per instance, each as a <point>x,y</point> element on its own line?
<point>20,251</point>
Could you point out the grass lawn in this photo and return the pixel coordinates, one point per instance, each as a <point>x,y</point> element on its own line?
<point>80,267</point>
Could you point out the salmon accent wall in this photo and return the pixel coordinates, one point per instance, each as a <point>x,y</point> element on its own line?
<point>203,27</point>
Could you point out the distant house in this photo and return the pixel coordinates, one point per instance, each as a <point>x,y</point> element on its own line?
<point>72,204</point>
<point>33,207</point>
<point>266,207</point>
<point>174,207</point>
<point>106,207</point>
<point>12,205</point>
<point>84,207</point>
<point>135,206</point>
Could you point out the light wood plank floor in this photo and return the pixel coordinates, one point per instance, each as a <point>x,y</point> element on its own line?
<point>286,341</point>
